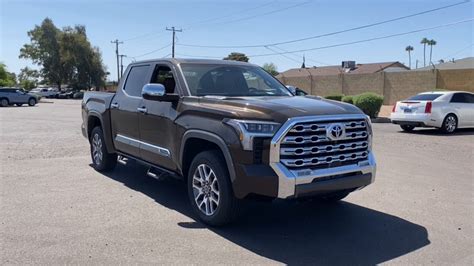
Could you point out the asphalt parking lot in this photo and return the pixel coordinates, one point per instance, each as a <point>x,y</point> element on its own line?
<point>56,209</point>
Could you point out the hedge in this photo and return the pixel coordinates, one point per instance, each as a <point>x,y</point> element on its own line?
<point>370,103</point>
<point>336,97</point>
<point>348,99</point>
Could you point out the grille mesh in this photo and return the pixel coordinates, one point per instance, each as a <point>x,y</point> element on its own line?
<point>306,145</point>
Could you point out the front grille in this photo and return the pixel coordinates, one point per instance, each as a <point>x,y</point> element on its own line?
<point>307,146</point>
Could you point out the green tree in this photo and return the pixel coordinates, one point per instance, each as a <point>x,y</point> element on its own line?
<point>271,68</point>
<point>28,78</point>
<point>44,50</point>
<point>431,43</point>
<point>409,48</point>
<point>237,57</point>
<point>66,56</point>
<point>7,79</point>
<point>424,41</point>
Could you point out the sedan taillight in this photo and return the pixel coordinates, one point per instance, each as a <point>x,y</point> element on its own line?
<point>394,108</point>
<point>428,107</point>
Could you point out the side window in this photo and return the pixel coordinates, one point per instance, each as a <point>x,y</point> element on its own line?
<point>164,76</point>
<point>136,80</point>
<point>459,98</point>
<point>470,98</point>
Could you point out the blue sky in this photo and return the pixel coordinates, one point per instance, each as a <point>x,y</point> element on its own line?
<point>244,23</point>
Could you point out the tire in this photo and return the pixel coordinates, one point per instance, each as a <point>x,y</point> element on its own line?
<point>32,102</point>
<point>4,102</point>
<point>407,128</point>
<point>210,189</point>
<point>335,197</point>
<point>450,124</point>
<point>102,160</point>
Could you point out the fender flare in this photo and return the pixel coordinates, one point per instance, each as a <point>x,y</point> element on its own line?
<point>211,137</point>
<point>108,140</point>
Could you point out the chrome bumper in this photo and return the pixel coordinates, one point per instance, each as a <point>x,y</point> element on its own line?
<point>289,180</point>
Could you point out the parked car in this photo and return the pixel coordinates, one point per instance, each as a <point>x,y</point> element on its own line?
<point>78,95</point>
<point>446,110</point>
<point>46,92</point>
<point>16,96</point>
<point>231,131</point>
<point>66,94</point>
<point>296,91</point>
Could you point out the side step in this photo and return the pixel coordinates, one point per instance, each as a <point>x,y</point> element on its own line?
<point>156,173</point>
<point>122,160</point>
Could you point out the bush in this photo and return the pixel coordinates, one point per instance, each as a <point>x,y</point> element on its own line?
<point>369,103</point>
<point>348,99</point>
<point>336,97</point>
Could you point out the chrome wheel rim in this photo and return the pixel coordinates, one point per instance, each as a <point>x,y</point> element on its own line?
<point>206,189</point>
<point>450,124</point>
<point>97,149</point>
<point>32,102</point>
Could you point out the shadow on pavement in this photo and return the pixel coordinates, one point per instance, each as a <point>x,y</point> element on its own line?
<point>437,132</point>
<point>294,232</point>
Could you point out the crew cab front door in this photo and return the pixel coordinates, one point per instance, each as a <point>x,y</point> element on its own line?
<point>157,128</point>
<point>124,110</point>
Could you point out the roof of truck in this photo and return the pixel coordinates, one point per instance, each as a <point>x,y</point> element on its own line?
<point>194,61</point>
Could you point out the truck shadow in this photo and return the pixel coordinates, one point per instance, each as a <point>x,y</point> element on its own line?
<point>437,132</point>
<point>293,232</point>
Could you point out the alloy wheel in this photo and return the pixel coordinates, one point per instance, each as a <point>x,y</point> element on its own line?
<point>97,149</point>
<point>206,189</point>
<point>450,124</point>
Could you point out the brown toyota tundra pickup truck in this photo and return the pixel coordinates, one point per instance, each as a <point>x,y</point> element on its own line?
<point>231,131</point>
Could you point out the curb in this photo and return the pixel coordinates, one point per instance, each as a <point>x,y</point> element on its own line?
<point>381,120</point>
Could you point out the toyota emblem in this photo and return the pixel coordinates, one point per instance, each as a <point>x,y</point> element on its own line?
<point>336,132</point>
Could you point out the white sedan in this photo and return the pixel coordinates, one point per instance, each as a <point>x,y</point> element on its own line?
<point>446,110</point>
<point>46,92</point>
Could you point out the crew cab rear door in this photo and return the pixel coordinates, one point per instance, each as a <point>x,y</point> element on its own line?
<point>156,120</point>
<point>124,110</point>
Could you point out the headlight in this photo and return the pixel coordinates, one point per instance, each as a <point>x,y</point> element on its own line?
<point>248,129</point>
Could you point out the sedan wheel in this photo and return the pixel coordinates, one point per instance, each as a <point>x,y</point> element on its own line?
<point>450,124</point>
<point>206,189</point>
<point>4,103</point>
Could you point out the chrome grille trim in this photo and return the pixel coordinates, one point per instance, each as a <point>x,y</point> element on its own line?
<point>312,161</point>
<point>321,138</point>
<point>315,127</point>
<point>323,149</point>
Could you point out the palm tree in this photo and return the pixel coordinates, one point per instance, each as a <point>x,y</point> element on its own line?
<point>431,43</point>
<point>424,41</point>
<point>409,48</point>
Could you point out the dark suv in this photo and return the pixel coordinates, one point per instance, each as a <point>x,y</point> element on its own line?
<point>231,131</point>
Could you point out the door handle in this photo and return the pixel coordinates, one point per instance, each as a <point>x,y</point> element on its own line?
<point>142,110</point>
<point>114,105</point>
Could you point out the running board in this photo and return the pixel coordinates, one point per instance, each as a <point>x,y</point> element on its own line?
<point>122,160</point>
<point>156,173</point>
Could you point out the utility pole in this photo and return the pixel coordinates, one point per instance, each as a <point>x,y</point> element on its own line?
<point>117,54</point>
<point>121,64</point>
<point>174,37</point>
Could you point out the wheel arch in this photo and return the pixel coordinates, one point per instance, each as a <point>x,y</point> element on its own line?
<point>209,140</point>
<point>95,119</point>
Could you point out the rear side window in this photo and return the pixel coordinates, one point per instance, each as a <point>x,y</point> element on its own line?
<point>425,97</point>
<point>462,98</point>
<point>136,80</point>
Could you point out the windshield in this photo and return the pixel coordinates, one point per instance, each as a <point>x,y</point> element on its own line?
<point>425,97</point>
<point>231,80</point>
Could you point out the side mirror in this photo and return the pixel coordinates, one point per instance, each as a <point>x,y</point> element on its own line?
<point>157,92</point>
<point>292,89</point>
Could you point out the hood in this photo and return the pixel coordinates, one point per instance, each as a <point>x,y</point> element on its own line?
<point>272,108</point>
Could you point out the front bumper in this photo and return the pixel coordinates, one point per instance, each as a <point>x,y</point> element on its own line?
<point>297,184</point>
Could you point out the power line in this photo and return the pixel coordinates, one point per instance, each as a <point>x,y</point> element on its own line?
<point>367,40</point>
<point>154,51</point>
<point>201,22</point>
<point>229,15</point>
<point>199,56</point>
<point>458,52</point>
<point>299,56</point>
<point>174,30</point>
<point>329,33</point>
<point>283,55</point>
<point>117,42</point>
